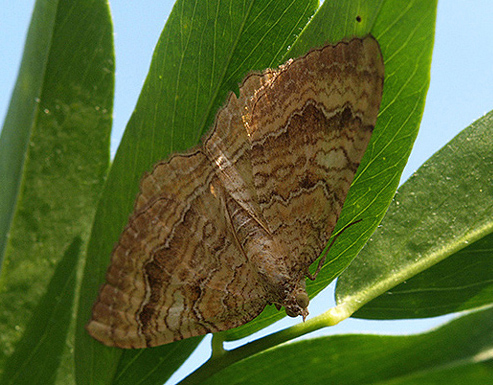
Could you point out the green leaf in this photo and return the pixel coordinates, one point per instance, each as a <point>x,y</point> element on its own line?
<point>443,213</point>
<point>462,347</point>
<point>203,53</point>
<point>470,372</point>
<point>150,366</point>
<point>39,352</point>
<point>405,32</point>
<point>205,50</point>
<point>54,154</point>
<point>22,111</point>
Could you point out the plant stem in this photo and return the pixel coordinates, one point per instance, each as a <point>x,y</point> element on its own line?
<point>218,362</point>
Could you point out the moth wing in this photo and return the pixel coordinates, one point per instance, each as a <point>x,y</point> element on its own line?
<point>177,271</point>
<point>228,145</point>
<point>307,140</point>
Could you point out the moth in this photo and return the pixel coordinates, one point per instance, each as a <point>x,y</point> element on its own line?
<point>233,225</point>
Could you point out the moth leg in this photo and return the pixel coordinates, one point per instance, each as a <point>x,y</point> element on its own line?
<point>321,262</point>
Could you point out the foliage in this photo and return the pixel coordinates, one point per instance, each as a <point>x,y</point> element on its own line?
<point>63,208</point>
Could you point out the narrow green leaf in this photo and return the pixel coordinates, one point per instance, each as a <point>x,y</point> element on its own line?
<point>405,32</point>
<point>152,365</point>
<point>205,50</point>
<point>54,153</point>
<point>22,111</point>
<point>444,212</point>
<point>463,346</point>
<point>39,352</point>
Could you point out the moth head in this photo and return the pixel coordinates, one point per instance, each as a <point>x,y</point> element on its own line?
<point>297,303</point>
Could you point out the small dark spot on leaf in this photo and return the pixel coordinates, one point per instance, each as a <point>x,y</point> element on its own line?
<point>358,19</point>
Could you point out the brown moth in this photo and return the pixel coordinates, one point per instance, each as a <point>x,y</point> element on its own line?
<point>221,231</point>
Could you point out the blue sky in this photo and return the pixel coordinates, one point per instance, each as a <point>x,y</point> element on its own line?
<point>461,88</point>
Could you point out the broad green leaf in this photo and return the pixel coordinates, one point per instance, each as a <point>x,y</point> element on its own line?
<point>39,352</point>
<point>443,213</point>
<point>477,372</point>
<point>462,347</point>
<point>205,50</point>
<point>54,153</point>
<point>462,281</point>
<point>405,32</point>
